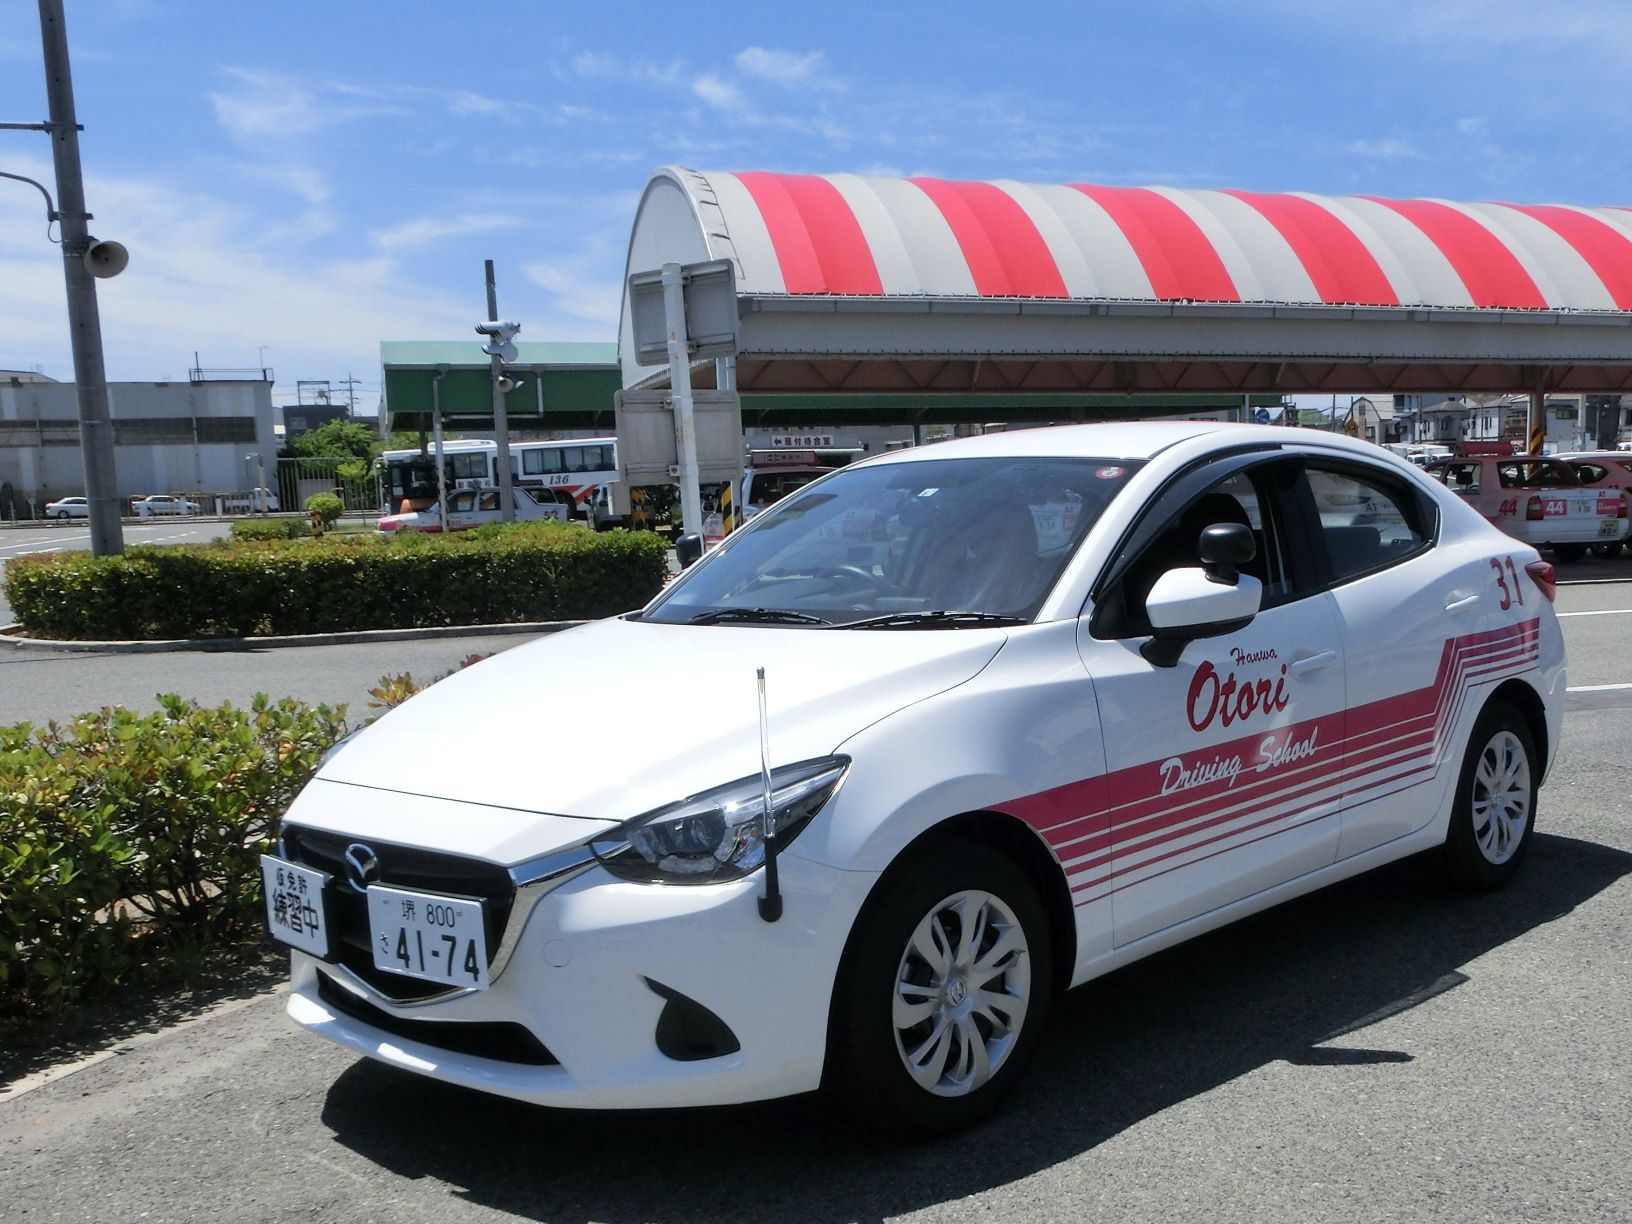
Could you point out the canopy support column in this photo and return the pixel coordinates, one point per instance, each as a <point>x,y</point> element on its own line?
<point>685,427</point>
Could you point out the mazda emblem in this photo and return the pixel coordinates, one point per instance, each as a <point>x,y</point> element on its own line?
<point>362,866</point>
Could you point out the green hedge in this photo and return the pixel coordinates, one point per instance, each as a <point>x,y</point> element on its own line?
<point>129,844</point>
<point>271,529</point>
<point>495,574</point>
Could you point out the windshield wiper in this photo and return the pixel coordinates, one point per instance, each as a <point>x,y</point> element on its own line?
<point>935,620</point>
<point>756,616</point>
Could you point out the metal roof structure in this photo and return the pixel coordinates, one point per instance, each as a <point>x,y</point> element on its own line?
<point>561,385</point>
<point>853,283</point>
<point>571,385</point>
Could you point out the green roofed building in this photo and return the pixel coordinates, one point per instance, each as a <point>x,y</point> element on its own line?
<point>569,385</point>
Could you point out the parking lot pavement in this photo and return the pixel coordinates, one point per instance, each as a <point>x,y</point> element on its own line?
<point>1383,1050</point>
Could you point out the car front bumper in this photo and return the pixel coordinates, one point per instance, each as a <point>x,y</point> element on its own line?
<point>597,964</point>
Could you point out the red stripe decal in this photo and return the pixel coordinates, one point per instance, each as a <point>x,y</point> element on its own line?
<point>1493,276</point>
<point>1342,268</point>
<point>1124,815</point>
<point>1006,255</point>
<point>818,241</point>
<point>1608,252</point>
<point>1176,255</point>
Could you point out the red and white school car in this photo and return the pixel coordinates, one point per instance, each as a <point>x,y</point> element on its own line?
<point>1606,471</point>
<point>998,761</point>
<point>1540,501</point>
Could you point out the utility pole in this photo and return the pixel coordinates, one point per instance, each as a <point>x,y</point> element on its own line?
<point>350,384</point>
<point>501,419</point>
<point>84,321</point>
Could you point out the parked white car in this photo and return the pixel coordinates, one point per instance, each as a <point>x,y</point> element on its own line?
<point>470,508</point>
<point>1002,759</point>
<point>162,503</point>
<point>68,507</point>
<point>254,502</point>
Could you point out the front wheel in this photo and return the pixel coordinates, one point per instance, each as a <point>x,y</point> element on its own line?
<point>62,516</point>
<point>944,990</point>
<point>1495,808</point>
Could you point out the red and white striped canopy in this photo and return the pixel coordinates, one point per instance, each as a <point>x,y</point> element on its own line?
<point>847,234</point>
<point>850,282</point>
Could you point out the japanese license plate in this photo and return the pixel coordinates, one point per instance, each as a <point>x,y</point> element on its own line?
<point>294,905</point>
<point>428,935</point>
<point>1609,529</point>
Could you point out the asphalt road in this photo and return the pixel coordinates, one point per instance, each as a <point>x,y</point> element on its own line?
<point>1382,1051</point>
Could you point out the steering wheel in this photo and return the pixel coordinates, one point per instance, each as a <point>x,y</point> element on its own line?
<point>853,572</point>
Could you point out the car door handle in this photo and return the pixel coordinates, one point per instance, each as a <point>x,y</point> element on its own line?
<point>1457,606</point>
<point>1312,662</point>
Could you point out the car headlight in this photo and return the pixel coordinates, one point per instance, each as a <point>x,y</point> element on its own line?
<point>719,834</point>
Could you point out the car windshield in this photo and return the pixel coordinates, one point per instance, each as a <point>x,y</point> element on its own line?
<point>900,545</point>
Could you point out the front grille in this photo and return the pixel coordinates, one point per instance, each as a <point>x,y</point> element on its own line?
<point>400,867</point>
<point>501,1040</point>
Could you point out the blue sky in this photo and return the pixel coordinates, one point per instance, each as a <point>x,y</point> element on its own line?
<point>317,177</point>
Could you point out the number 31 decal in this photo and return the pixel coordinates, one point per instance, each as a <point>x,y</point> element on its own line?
<point>1513,595</point>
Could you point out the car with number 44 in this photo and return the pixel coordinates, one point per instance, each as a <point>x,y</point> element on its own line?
<point>1539,500</point>
<point>1074,695</point>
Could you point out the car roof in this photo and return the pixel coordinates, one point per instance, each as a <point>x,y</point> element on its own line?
<point>1110,440</point>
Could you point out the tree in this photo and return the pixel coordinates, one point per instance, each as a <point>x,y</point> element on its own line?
<point>339,439</point>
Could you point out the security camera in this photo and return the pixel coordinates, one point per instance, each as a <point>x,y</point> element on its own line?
<point>499,331</point>
<point>105,259</point>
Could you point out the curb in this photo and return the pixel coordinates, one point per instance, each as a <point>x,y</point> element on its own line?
<point>10,636</point>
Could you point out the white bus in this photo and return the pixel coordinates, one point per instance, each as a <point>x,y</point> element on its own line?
<point>571,468</point>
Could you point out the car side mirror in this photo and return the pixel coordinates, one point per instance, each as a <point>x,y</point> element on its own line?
<point>688,549</point>
<point>1186,604</point>
<point>1224,548</point>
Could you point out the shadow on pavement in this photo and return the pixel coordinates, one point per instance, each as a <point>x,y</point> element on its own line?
<point>1272,988</point>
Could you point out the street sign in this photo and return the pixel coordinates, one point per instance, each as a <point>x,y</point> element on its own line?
<point>710,290</point>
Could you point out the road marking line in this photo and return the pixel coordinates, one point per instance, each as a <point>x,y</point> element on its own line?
<point>1596,688</point>
<point>1606,612</point>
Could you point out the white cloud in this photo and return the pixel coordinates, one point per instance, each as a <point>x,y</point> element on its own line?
<point>273,108</point>
<point>1382,149</point>
<point>424,230</point>
<point>578,292</point>
<point>721,95</point>
<point>600,66</point>
<point>783,67</point>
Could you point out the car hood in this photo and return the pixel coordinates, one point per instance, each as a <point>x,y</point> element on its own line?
<point>609,720</point>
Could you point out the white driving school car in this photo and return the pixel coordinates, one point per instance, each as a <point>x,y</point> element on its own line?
<point>1072,696</point>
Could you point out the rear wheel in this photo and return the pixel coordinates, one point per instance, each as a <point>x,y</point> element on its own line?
<point>943,993</point>
<point>1608,551</point>
<point>61,515</point>
<point>1495,808</point>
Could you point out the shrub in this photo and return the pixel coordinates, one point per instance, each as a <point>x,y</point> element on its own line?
<point>271,529</point>
<point>523,572</point>
<point>129,844</point>
<point>327,506</point>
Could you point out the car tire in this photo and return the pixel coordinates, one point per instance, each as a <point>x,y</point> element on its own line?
<point>913,1050</point>
<point>1569,552</point>
<point>1494,812</point>
<point>62,516</point>
<point>1607,552</point>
